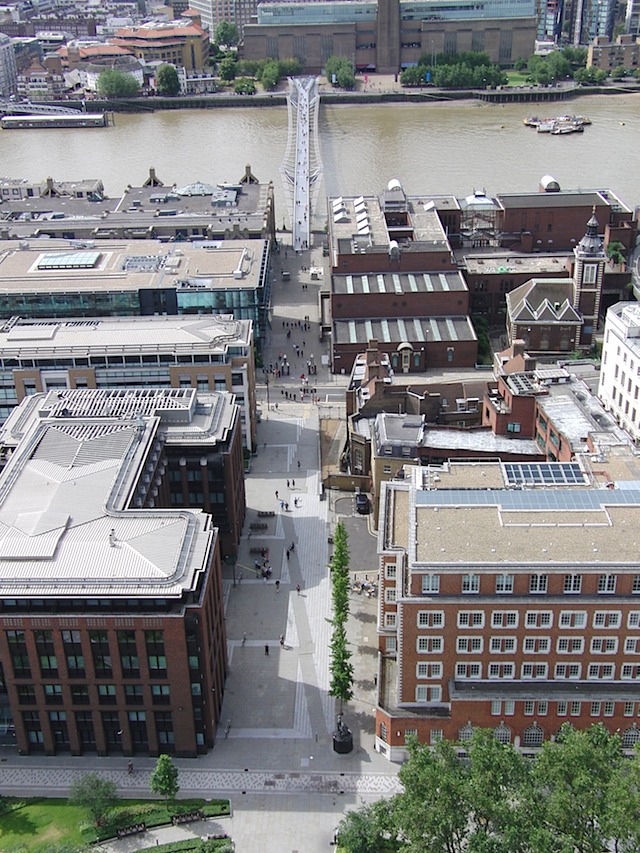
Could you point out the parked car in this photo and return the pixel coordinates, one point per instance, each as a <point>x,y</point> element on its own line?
<point>363,505</point>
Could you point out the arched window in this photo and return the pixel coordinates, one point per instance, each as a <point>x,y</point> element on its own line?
<point>502,733</point>
<point>630,737</point>
<point>465,733</point>
<point>533,736</point>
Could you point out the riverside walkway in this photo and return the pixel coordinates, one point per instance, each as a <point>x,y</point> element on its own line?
<point>302,167</point>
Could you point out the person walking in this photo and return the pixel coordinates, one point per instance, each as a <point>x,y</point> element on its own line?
<point>244,638</point>
<point>282,641</point>
<point>266,649</point>
<point>298,463</point>
<point>287,484</point>
<point>288,553</point>
<point>293,484</point>
<point>298,588</point>
<point>277,586</point>
<point>276,494</point>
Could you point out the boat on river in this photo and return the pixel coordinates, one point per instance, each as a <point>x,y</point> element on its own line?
<point>78,119</point>
<point>546,125</point>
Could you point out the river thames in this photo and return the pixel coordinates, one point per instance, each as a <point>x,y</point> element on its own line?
<point>451,147</point>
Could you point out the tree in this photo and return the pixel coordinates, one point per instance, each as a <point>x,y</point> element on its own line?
<point>226,34</point>
<point>577,773</point>
<point>244,86</point>
<point>94,793</point>
<point>615,252</point>
<point>520,64</point>
<point>164,779</point>
<point>343,71</point>
<point>167,80</point>
<point>369,829</point>
<point>227,69</point>
<point>618,73</point>
<point>117,84</point>
<point>341,668</point>
<point>270,75</point>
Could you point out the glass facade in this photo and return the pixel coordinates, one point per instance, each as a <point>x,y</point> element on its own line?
<point>458,10</point>
<point>316,13</point>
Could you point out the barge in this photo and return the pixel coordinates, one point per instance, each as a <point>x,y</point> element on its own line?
<point>9,122</point>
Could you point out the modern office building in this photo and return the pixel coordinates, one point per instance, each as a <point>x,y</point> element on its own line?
<point>56,278</point>
<point>112,635</point>
<point>8,68</point>
<point>389,35</point>
<point>619,388</point>
<point>509,600</point>
<point>210,353</point>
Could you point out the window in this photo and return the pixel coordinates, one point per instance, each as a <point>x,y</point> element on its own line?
<point>502,670</point>
<point>575,709</point>
<point>632,646</point>
<point>465,733</point>
<point>390,595</point>
<point>504,584</point>
<point>596,709</point>
<point>635,589</point>
<point>606,584</point>
<point>469,645</point>
<point>630,672</point>
<point>468,670</point>
<point>160,694</point>
<point>53,694</point>
<point>107,694</point>
<point>391,644</point>
<point>601,671</point>
<point>607,619</point>
<point>609,709</point>
<point>428,670</point>
<point>471,619</point>
<point>100,654</point>
<point>629,709</point>
<point>502,733</point>
<point>470,583</point>
<point>567,671</point>
<point>430,644</point>
<point>573,619</point>
<point>604,645</point>
<point>536,645</point>
<point>539,619</point>
<point>529,708</point>
<point>409,734</point>
<point>390,571</point>
<point>630,738</point>
<point>538,583</point>
<point>133,694</point>
<point>504,619</point>
<point>543,709</point>
<point>503,645</point>
<point>509,708</point>
<point>633,619</point>
<point>572,583</point>
<point>390,620</point>
<point>570,645</point>
<point>430,584</point>
<point>534,670</point>
<point>425,694</point>
<point>561,709</point>
<point>156,657</point>
<point>435,735</point>
<point>533,736</point>
<point>496,708</point>
<point>430,618</point>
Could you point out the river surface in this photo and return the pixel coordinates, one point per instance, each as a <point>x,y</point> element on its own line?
<point>453,147</point>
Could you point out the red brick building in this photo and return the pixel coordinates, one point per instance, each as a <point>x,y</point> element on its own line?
<point>112,634</point>
<point>509,600</point>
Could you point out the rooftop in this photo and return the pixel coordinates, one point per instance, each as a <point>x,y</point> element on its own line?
<point>57,265</point>
<point>66,526</point>
<point>399,283</point>
<point>398,330</point>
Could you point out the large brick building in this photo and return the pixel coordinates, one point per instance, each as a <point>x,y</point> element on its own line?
<point>509,600</point>
<point>112,636</point>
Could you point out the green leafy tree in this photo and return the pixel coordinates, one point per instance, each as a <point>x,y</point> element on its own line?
<point>95,794</point>
<point>290,67</point>
<point>590,76</point>
<point>167,80</point>
<point>117,84</point>
<point>619,72</point>
<point>520,64</point>
<point>576,56</point>
<point>370,829</point>
<point>227,69</point>
<point>226,34</point>
<point>415,75</point>
<point>433,812</point>
<point>164,778</point>
<point>341,668</point>
<point>577,774</point>
<point>244,86</point>
<point>340,574</point>
<point>616,252</point>
<point>270,75</point>
<point>343,70</point>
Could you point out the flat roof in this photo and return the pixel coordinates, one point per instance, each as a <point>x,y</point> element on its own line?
<point>154,334</point>
<point>505,264</point>
<point>130,265</point>
<point>564,198</point>
<point>518,527</point>
<point>398,330</point>
<point>66,528</point>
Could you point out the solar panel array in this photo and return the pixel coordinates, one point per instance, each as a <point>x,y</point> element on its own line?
<point>512,500</point>
<point>544,474</point>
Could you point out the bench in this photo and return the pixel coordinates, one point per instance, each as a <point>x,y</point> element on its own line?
<point>259,551</point>
<point>132,830</point>
<point>187,817</point>
<point>256,525</point>
<point>212,836</point>
<point>266,513</point>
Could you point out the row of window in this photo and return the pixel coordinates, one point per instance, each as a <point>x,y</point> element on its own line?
<point>80,695</point>
<point>532,645</point>
<point>538,584</point>
<point>532,619</point>
<point>561,671</point>
<point>532,736</point>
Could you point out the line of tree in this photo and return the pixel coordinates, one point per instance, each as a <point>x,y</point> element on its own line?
<point>268,72</point>
<point>579,795</point>
<point>113,83</point>
<point>471,70</point>
<point>341,668</point>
